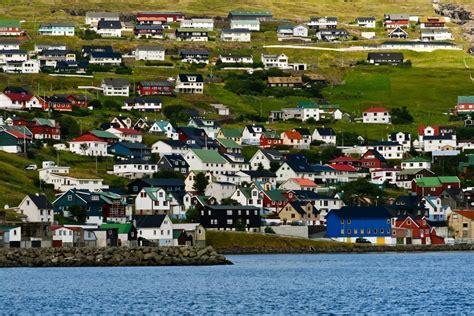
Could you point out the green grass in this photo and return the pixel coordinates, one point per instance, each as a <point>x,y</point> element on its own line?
<point>225,241</point>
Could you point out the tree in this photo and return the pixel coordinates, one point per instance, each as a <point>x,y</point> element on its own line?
<point>361,192</point>
<point>274,165</point>
<point>229,201</point>
<point>84,147</point>
<point>401,116</point>
<point>168,174</point>
<point>95,103</point>
<point>329,153</point>
<point>239,225</point>
<point>260,167</point>
<point>69,127</point>
<point>192,215</point>
<point>269,230</point>
<point>79,213</point>
<point>200,183</point>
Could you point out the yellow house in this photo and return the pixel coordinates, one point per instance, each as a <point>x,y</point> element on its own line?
<point>299,211</point>
<point>461,224</point>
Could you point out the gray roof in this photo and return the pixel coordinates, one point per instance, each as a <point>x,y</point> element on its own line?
<point>93,14</point>
<point>116,82</point>
<point>151,48</point>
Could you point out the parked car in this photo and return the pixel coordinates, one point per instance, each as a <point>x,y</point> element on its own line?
<point>361,240</point>
<point>31,167</point>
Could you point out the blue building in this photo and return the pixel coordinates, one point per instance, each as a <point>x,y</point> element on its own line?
<point>56,29</point>
<point>349,223</point>
<point>130,150</point>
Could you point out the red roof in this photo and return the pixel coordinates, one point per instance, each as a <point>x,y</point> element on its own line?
<point>421,129</point>
<point>19,96</point>
<point>18,134</point>
<point>376,110</point>
<point>129,131</point>
<point>343,159</point>
<point>293,135</point>
<point>304,182</point>
<point>87,138</point>
<point>467,214</point>
<point>343,168</point>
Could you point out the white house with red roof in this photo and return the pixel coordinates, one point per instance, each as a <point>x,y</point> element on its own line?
<point>380,176</point>
<point>299,184</point>
<point>65,236</point>
<point>435,138</point>
<point>88,145</point>
<point>126,134</point>
<point>376,115</point>
<point>19,101</point>
<point>295,140</point>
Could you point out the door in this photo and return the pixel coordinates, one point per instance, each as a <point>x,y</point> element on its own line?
<point>380,240</point>
<point>57,243</point>
<point>36,244</point>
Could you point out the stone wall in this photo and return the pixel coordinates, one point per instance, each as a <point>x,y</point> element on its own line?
<point>111,256</point>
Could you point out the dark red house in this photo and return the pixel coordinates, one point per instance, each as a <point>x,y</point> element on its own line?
<point>41,128</point>
<point>372,159</point>
<point>155,88</point>
<point>434,186</point>
<point>159,17</point>
<point>270,139</point>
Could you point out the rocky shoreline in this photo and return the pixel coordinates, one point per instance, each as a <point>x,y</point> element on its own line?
<point>111,256</point>
<point>459,14</point>
<point>342,249</point>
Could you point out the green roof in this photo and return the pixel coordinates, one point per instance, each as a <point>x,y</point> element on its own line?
<point>232,132</point>
<point>103,134</point>
<point>177,233</point>
<point>313,105</point>
<point>5,228</point>
<point>9,23</point>
<point>255,22</point>
<point>256,13</point>
<point>275,195</point>
<point>411,171</point>
<point>44,121</point>
<point>466,99</point>
<point>209,156</point>
<point>435,181</point>
<point>228,143</point>
<point>416,159</point>
<point>122,228</point>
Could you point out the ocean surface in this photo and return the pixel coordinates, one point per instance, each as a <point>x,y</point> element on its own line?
<point>420,283</point>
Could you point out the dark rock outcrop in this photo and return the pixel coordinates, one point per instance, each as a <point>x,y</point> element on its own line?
<point>111,256</point>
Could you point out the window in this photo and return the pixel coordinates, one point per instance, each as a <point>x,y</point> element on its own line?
<point>342,221</point>
<point>229,213</point>
<point>342,231</point>
<point>348,231</point>
<point>381,230</point>
<point>348,221</point>
<point>229,222</point>
<point>375,230</point>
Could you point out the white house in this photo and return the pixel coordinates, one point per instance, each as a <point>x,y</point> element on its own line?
<point>134,168</point>
<point>48,168</point>
<point>207,24</point>
<point>152,201</point>
<point>389,150</point>
<point>236,59</point>
<point>220,190</point>
<point>299,184</point>
<point>402,138</point>
<point>190,83</point>
<point>37,208</point>
<point>56,29</point>
<point>115,87</point>
<point>105,58</point>
<point>10,235</point>
<point>65,236</point>
<point>88,145</point>
<point>275,61</point>
<point>93,18</point>
<point>295,169</point>
<point>376,115</point>
<point>126,134</point>
<point>251,25</point>
<point>382,175</point>
<point>435,34</point>
<point>206,159</point>
<point>148,104</point>
<point>13,55</point>
<point>436,210</point>
<point>265,157</point>
<point>150,53</point>
<point>156,228</point>
<point>79,181</point>
<point>164,127</point>
<point>31,66</point>
<point>252,133</point>
<point>169,147</point>
<point>9,44</point>
<point>325,22</point>
<point>236,35</point>
<point>416,163</point>
<point>248,196</point>
<point>109,29</point>
<point>366,22</point>
<point>325,135</point>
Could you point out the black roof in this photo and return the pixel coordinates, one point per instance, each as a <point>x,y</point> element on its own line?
<point>41,201</point>
<point>302,131</point>
<point>201,52</point>
<point>130,145</point>
<point>163,182</point>
<point>325,131</point>
<point>362,212</point>
<point>300,166</point>
<point>101,54</point>
<point>105,24</point>
<point>87,49</point>
<point>260,173</point>
<point>272,154</point>
<point>148,221</point>
<point>175,143</point>
<point>184,77</point>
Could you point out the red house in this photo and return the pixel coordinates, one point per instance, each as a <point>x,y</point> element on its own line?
<point>79,100</point>
<point>465,105</point>
<point>345,160</point>
<point>159,17</point>
<point>41,128</point>
<point>55,103</point>
<point>372,159</point>
<point>421,232</point>
<point>274,199</point>
<point>155,88</point>
<point>269,139</point>
<point>434,186</point>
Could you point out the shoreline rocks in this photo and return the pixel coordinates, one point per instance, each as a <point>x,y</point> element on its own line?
<point>341,249</point>
<point>110,256</point>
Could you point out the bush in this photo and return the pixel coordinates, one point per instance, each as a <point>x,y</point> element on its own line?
<point>112,105</point>
<point>123,70</point>
<point>269,230</point>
